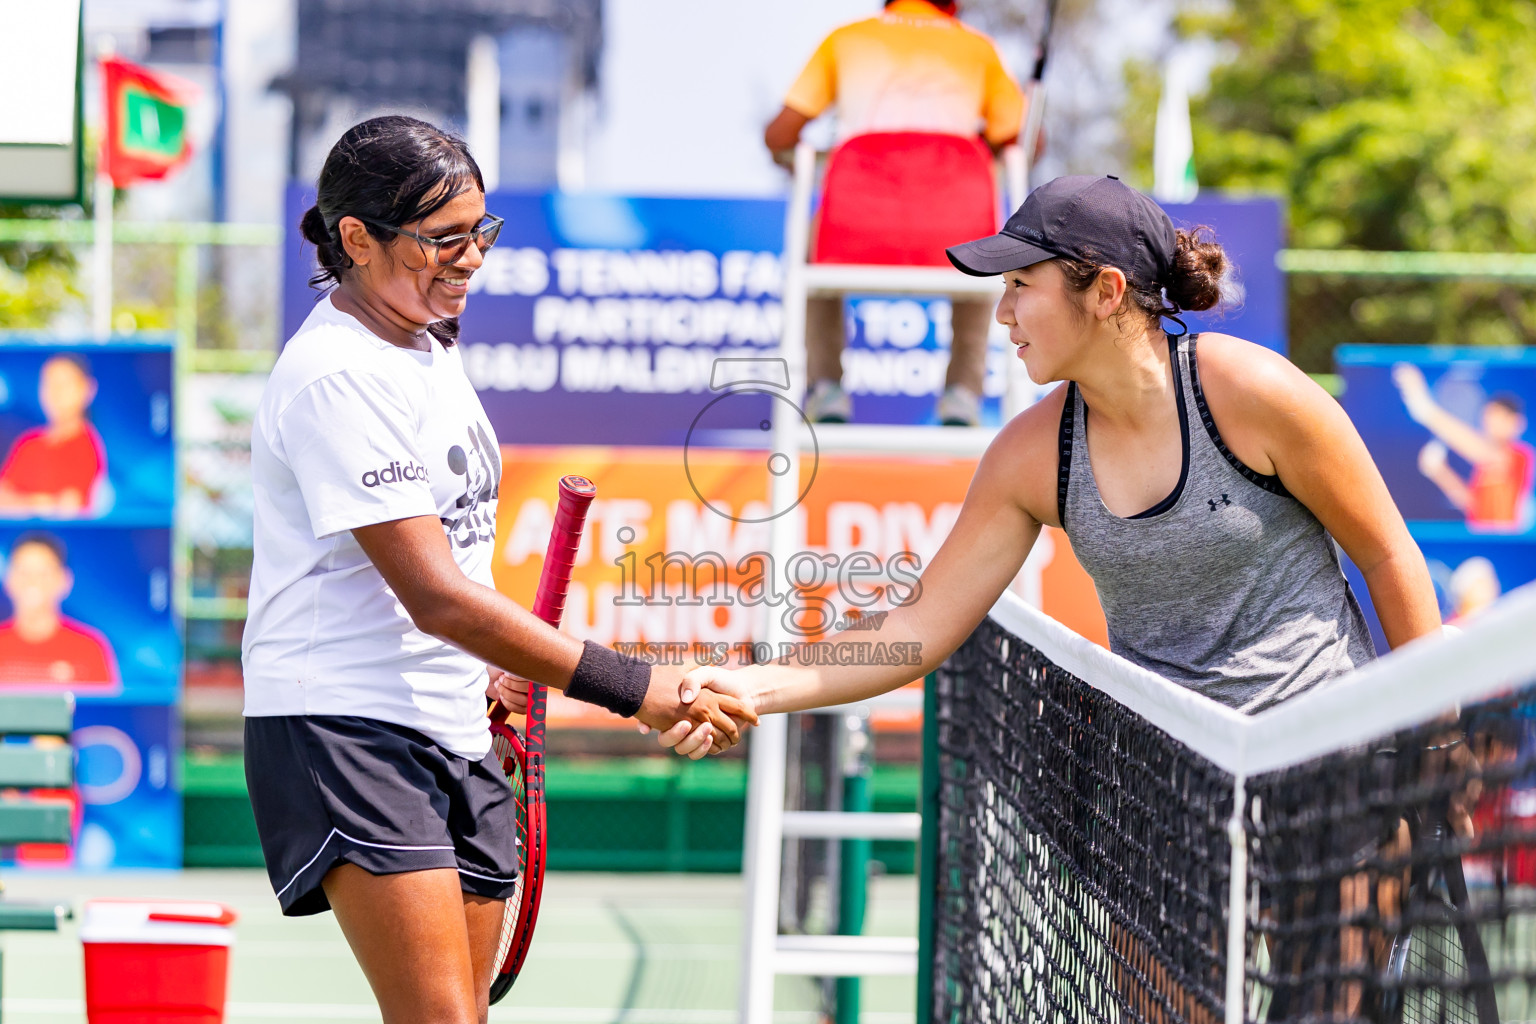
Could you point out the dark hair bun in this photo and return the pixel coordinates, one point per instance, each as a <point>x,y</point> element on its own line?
<point>1199,264</point>
<point>312,224</point>
<point>329,253</point>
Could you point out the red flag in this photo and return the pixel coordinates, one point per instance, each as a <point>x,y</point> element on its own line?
<point>146,122</point>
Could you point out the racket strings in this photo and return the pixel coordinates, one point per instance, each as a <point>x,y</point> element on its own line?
<point>511,762</point>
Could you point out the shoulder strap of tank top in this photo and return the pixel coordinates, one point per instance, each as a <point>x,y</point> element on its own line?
<point>1064,452</point>
<point>1269,483</point>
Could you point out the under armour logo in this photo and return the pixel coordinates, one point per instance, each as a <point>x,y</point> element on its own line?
<point>1214,502</point>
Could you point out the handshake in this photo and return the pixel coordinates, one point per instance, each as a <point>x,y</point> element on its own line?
<point>703,711</point>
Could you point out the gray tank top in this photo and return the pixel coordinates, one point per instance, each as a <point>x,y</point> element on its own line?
<point>1229,585</point>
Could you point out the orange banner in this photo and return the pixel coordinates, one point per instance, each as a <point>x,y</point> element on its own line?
<point>661,572</point>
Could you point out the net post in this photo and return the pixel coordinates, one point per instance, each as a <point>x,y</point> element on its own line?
<point>928,850</point>
<point>857,757</point>
<point>1237,903</point>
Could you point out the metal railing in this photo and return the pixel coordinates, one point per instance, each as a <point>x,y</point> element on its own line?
<point>1343,296</point>
<point>188,240</point>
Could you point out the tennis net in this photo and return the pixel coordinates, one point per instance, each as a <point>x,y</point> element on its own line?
<point>1097,826</point>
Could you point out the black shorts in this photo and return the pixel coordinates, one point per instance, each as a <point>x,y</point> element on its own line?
<point>334,788</point>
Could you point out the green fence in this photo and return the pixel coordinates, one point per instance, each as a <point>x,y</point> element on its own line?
<point>1337,297</point>
<point>188,274</point>
<point>626,814</point>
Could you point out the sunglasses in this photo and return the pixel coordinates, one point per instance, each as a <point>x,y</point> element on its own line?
<point>448,249</point>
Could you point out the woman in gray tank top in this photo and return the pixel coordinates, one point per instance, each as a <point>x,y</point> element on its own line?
<point>1201,480</point>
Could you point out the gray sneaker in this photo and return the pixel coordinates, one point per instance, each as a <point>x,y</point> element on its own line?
<point>827,402</point>
<point>959,406</point>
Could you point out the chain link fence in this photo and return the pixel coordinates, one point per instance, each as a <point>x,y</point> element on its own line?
<point>1341,297</point>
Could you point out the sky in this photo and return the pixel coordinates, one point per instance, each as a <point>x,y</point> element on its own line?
<point>685,89</point>
<point>688,85</point>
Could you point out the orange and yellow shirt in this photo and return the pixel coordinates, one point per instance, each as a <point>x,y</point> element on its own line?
<point>911,69</point>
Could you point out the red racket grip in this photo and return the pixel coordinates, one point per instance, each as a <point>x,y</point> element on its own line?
<point>576,494</point>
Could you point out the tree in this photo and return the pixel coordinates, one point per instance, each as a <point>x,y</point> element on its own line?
<point>37,281</point>
<point>1385,125</point>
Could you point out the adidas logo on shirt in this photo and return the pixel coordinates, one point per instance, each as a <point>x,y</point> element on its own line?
<point>393,474</point>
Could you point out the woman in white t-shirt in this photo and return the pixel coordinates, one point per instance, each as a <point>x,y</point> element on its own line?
<point>373,615</point>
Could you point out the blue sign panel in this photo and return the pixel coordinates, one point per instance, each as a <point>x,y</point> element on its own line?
<point>124,777</point>
<point>1250,232</point>
<point>87,503</point>
<point>1448,428</point>
<point>598,319</point>
<point>1470,571</point>
<point>86,432</point>
<point>87,609</point>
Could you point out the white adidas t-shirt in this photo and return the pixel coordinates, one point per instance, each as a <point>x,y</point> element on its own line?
<point>352,431</point>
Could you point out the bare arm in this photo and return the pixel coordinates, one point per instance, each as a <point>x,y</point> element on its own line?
<point>783,134</point>
<point>413,557</point>
<point>1294,428</point>
<point>973,567</point>
<point>996,528</point>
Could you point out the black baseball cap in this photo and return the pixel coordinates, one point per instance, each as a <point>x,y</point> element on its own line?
<point>1099,220</point>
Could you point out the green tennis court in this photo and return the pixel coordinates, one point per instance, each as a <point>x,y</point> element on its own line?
<point>627,949</point>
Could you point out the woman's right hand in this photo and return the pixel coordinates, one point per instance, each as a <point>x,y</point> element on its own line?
<point>736,684</point>
<point>508,690</point>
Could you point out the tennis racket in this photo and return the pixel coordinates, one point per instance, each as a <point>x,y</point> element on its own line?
<point>522,756</point>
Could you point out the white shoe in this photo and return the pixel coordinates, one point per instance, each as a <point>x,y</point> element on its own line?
<point>827,402</point>
<point>959,406</point>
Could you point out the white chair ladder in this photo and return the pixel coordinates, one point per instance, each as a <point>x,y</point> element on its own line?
<point>765,953</point>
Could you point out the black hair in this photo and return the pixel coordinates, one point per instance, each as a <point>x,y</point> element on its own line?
<point>47,540</point>
<point>1509,400</point>
<point>75,359</point>
<point>392,170</point>
<point>1193,281</point>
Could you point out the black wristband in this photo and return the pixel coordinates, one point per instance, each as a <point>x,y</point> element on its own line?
<point>610,680</point>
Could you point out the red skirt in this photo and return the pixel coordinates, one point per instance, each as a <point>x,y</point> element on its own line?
<point>903,198</point>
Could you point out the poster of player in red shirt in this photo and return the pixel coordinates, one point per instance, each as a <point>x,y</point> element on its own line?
<point>1449,429</point>
<point>86,434</point>
<point>57,469</point>
<point>38,643</point>
<point>86,607</point>
<point>1497,493</point>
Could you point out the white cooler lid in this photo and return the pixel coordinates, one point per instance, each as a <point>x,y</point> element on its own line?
<point>162,922</point>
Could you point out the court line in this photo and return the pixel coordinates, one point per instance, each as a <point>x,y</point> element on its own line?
<point>510,1015</point>
<point>278,949</point>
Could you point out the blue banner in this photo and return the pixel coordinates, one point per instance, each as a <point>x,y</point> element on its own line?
<point>125,778</point>
<point>1448,428</point>
<point>598,319</point>
<point>1470,571</point>
<point>1249,230</point>
<point>86,431</point>
<point>87,505</point>
<point>88,609</point>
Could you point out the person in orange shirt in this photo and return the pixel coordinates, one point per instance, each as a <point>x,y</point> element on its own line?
<point>923,102</point>
<point>1498,495</point>
<point>55,469</point>
<point>38,644</point>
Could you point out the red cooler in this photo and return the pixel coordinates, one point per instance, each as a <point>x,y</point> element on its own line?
<point>156,961</point>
